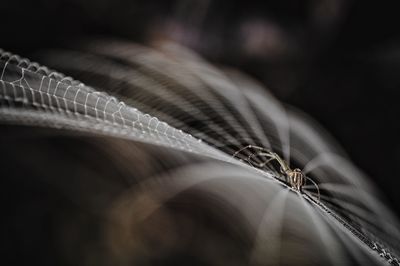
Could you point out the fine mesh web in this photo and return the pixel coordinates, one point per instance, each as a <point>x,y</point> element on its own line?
<point>173,98</point>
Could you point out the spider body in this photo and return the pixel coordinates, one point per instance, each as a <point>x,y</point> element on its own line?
<point>296,178</point>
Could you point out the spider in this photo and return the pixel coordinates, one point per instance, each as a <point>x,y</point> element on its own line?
<point>295,177</point>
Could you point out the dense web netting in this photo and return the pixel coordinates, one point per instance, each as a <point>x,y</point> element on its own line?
<point>26,86</point>
<point>173,98</point>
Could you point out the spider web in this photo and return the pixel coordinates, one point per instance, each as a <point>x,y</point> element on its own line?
<point>26,86</point>
<point>219,114</point>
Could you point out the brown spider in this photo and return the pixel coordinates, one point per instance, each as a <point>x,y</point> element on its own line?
<point>294,177</point>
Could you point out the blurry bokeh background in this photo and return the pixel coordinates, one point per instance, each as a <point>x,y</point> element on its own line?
<point>337,60</point>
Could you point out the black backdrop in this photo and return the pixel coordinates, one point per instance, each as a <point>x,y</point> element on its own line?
<point>338,60</point>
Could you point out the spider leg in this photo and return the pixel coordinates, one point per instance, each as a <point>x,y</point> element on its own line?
<point>315,184</point>
<point>267,161</point>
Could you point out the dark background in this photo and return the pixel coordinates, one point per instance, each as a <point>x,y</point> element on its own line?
<point>338,60</point>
